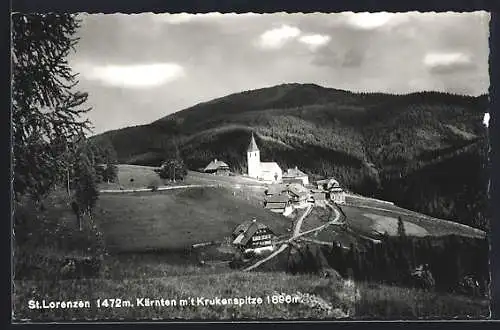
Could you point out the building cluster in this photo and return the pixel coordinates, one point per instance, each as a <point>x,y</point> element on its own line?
<point>286,190</point>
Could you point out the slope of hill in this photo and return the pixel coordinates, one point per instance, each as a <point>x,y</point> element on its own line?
<point>174,220</point>
<point>367,141</point>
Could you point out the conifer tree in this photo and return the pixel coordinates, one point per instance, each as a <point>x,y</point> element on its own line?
<point>47,109</point>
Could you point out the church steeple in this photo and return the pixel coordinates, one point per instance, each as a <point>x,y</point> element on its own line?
<point>253,159</point>
<point>253,145</point>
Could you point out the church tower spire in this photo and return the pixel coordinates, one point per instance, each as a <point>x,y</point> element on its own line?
<point>253,159</point>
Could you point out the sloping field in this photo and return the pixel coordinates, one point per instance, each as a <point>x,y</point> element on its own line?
<point>372,218</point>
<point>134,176</point>
<point>176,219</point>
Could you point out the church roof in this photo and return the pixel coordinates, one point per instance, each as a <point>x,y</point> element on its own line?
<point>253,145</point>
<point>269,167</point>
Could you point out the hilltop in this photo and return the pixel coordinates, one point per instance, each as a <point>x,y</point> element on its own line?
<point>376,144</point>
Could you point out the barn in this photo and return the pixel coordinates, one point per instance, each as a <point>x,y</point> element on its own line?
<point>253,235</point>
<point>217,167</point>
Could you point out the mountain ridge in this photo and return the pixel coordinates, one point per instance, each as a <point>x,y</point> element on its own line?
<point>364,139</point>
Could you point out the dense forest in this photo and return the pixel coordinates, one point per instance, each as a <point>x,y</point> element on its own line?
<point>449,258</point>
<point>425,151</point>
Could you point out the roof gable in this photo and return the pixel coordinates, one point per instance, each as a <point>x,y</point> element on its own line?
<point>215,165</point>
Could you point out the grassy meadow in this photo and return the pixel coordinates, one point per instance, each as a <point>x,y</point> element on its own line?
<point>377,218</point>
<point>364,301</point>
<point>128,225</point>
<point>176,219</point>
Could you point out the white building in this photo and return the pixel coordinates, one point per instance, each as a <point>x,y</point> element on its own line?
<point>295,175</point>
<point>265,171</point>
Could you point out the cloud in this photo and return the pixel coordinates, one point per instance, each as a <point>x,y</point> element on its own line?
<point>443,63</point>
<point>181,18</point>
<point>372,21</point>
<point>278,37</point>
<point>314,41</point>
<point>132,76</point>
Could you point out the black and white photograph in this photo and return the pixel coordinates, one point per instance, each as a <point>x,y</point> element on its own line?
<point>245,167</point>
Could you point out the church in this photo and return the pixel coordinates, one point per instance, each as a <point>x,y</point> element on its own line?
<point>265,171</point>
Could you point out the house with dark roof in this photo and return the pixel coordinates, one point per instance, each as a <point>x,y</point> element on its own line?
<point>294,175</point>
<point>253,235</point>
<point>278,203</point>
<point>217,167</point>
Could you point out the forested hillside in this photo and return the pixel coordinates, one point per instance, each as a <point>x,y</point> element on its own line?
<point>422,150</point>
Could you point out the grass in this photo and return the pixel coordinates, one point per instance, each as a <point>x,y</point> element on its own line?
<point>231,284</point>
<point>383,302</point>
<point>135,176</point>
<point>176,219</point>
<point>170,221</point>
<point>436,227</point>
<point>364,301</point>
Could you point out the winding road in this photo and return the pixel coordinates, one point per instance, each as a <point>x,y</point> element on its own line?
<point>297,234</point>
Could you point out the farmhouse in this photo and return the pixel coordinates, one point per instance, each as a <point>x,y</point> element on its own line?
<point>298,193</point>
<point>265,171</point>
<point>278,203</point>
<point>217,167</point>
<point>318,195</point>
<point>294,175</point>
<point>337,195</point>
<point>253,235</point>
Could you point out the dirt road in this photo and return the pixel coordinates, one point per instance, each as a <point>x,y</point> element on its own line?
<point>297,234</point>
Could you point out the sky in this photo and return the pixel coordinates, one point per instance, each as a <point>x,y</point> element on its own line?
<point>142,67</point>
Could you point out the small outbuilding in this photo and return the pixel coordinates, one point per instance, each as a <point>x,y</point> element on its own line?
<point>217,167</point>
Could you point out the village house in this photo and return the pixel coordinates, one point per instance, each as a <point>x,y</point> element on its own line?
<point>327,184</point>
<point>265,171</point>
<point>278,203</point>
<point>253,236</point>
<point>294,175</point>
<point>337,195</point>
<point>299,194</point>
<point>318,195</point>
<point>217,167</point>
<point>332,189</point>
